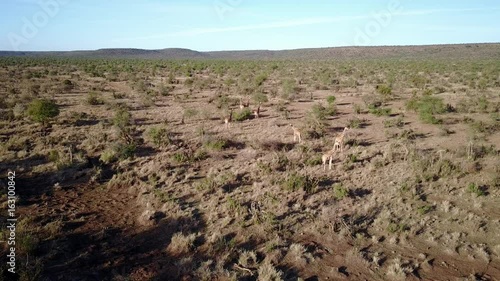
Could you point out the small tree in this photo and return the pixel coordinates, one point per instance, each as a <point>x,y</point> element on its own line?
<point>42,110</point>
<point>289,89</point>
<point>93,99</point>
<point>122,118</point>
<point>123,122</point>
<point>384,90</point>
<point>331,100</point>
<point>68,85</point>
<point>260,97</point>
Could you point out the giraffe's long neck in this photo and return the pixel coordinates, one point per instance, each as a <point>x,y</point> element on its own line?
<point>340,138</point>
<point>342,135</point>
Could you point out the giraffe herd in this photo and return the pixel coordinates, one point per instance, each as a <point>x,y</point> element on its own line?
<point>297,136</point>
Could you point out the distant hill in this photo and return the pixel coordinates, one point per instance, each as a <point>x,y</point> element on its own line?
<point>490,50</point>
<point>172,53</point>
<point>476,51</point>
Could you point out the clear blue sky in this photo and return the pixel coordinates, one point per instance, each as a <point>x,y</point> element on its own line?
<point>243,24</point>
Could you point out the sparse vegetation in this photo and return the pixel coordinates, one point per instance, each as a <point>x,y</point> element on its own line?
<point>181,243</point>
<point>355,123</point>
<point>424,209</point>
<point>331,100</point>
<point>384,90</point>
<point>216,144</point>
<point>260,98</point>
<point>296,181</point>
<point>340,192</point>
<point>398,122</point>
<point>42,110</point>
<point>138,151</point>
<point>396,227</point>
<point>242,115</point>
<point>289,89</point>
<point>190,113</point>
<point>378,111</point>
<point>475,189</point>
<point>93,99</point>
<point>159,136</point>
<point>427,107</point>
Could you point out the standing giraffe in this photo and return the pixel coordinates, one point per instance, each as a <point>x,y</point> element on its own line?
<point>339,140</point>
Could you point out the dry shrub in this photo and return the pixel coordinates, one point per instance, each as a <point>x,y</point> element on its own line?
<point>267,272</point>
<point>181,243</point>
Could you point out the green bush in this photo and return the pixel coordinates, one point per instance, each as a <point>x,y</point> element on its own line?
<point>260,79</point>
<point>159,136</point>
<point>260,98</point>
<point>53,156</point>
<point>352,158</point>
<point>378,111</point>
<point>384,90</point>
<point>318,111</point>
<point>427,107</point>
<point>372,101</point>
<point>433,105</point>
<point>295,182</point>
<point>93,99</point>
<point>42,110</point>
<point>222,101</point>
<point>243,115</point>
<point>475,189</point>
<point>207,183</point>
<point>164,90</point>
<point>218,144</point>
<point>210,183</point>
<point>397,227</point>
<point>429,118</point>
<point>424,209</point>
<point>125,151</point>
<point>181,157</point>
<point>398,122</point>
<point>340,192</point>
<point>122,118</point>
<point>26,242</point>
<point>357,108</point>
<point>314,161</point>
<point>331,100</point>
<point>355,123</point>
<point>289,89</point>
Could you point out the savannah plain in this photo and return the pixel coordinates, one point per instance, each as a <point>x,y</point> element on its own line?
<point>126,169</point>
